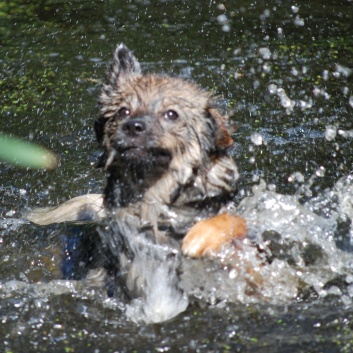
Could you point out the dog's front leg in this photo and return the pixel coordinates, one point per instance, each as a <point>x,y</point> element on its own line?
<point>208,236</point>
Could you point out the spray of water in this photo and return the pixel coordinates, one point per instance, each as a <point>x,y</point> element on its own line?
<point>303,250</point>
<point>160,298</point>
<point>300,248</point>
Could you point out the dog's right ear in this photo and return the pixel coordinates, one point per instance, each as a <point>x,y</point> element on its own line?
<point>124,65</point>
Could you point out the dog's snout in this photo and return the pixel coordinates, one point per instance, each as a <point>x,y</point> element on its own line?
<point>134,127</point>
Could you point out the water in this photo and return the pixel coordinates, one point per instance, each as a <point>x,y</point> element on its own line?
<point>285,72</point>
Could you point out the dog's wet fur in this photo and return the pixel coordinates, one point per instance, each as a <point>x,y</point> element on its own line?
<point>167,163</point>
<point>165,147</point>
<point>170,183</point>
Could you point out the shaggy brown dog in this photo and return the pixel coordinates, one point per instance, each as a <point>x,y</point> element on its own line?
<point>170,183</point>
<point>169,175</point>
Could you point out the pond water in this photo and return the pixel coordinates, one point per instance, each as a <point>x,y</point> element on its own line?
<point>285,72</point>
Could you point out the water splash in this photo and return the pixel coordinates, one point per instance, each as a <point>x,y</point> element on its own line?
<point>148,266</point>
<point>306,246</point>
<point>162,298</point>
<point>301,249</point>
<point>286,102</point>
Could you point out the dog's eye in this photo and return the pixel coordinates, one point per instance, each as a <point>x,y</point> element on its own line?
<point>171,115</point>
<point>123,112</point>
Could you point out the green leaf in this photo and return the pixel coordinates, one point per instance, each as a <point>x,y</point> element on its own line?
<point>16,151</point>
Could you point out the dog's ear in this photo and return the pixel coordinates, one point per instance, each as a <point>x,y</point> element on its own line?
<point>223,139</point>
<point>124,65</point>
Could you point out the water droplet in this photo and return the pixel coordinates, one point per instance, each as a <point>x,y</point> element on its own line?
<point>237,51</point>
<point>343,70</point>
<point>296,176</point>
<point>330,132</point>
<point>350,101</point>
<point>271,187</point>
<point>286,102</point>
<point>222,19</point>
<point>294,9</point>
<point>272,88</point>
<point>334,290</point>
<point>267,13</point>
<point>345,90</point>
<point>256,139</point>
<point>265,53</point>
<point>226,28</point>
<point>298,21</point>
<point>233,273</point>
<point>95,60</point>
<point>294,71</point>
<point>255,178</point>
<point>320,172</point>
<point>349,279</point>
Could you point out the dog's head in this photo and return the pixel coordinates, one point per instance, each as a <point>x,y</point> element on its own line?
<point>151,120</point>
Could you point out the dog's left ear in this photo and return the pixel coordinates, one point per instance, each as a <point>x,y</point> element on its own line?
<point>124,65</point>
<point>223,139</point>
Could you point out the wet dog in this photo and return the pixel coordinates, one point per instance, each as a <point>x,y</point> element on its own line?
<point>170,180</point>
<point>168,232</point>
<point>169,174</point>
<point>165,154</point>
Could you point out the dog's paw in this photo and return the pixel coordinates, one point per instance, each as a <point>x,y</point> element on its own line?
<point>207,237</point>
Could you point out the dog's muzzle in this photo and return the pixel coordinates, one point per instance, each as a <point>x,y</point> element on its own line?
<point>135,143</point>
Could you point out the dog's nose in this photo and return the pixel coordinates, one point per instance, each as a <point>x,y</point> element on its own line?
<point>134,127</point>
